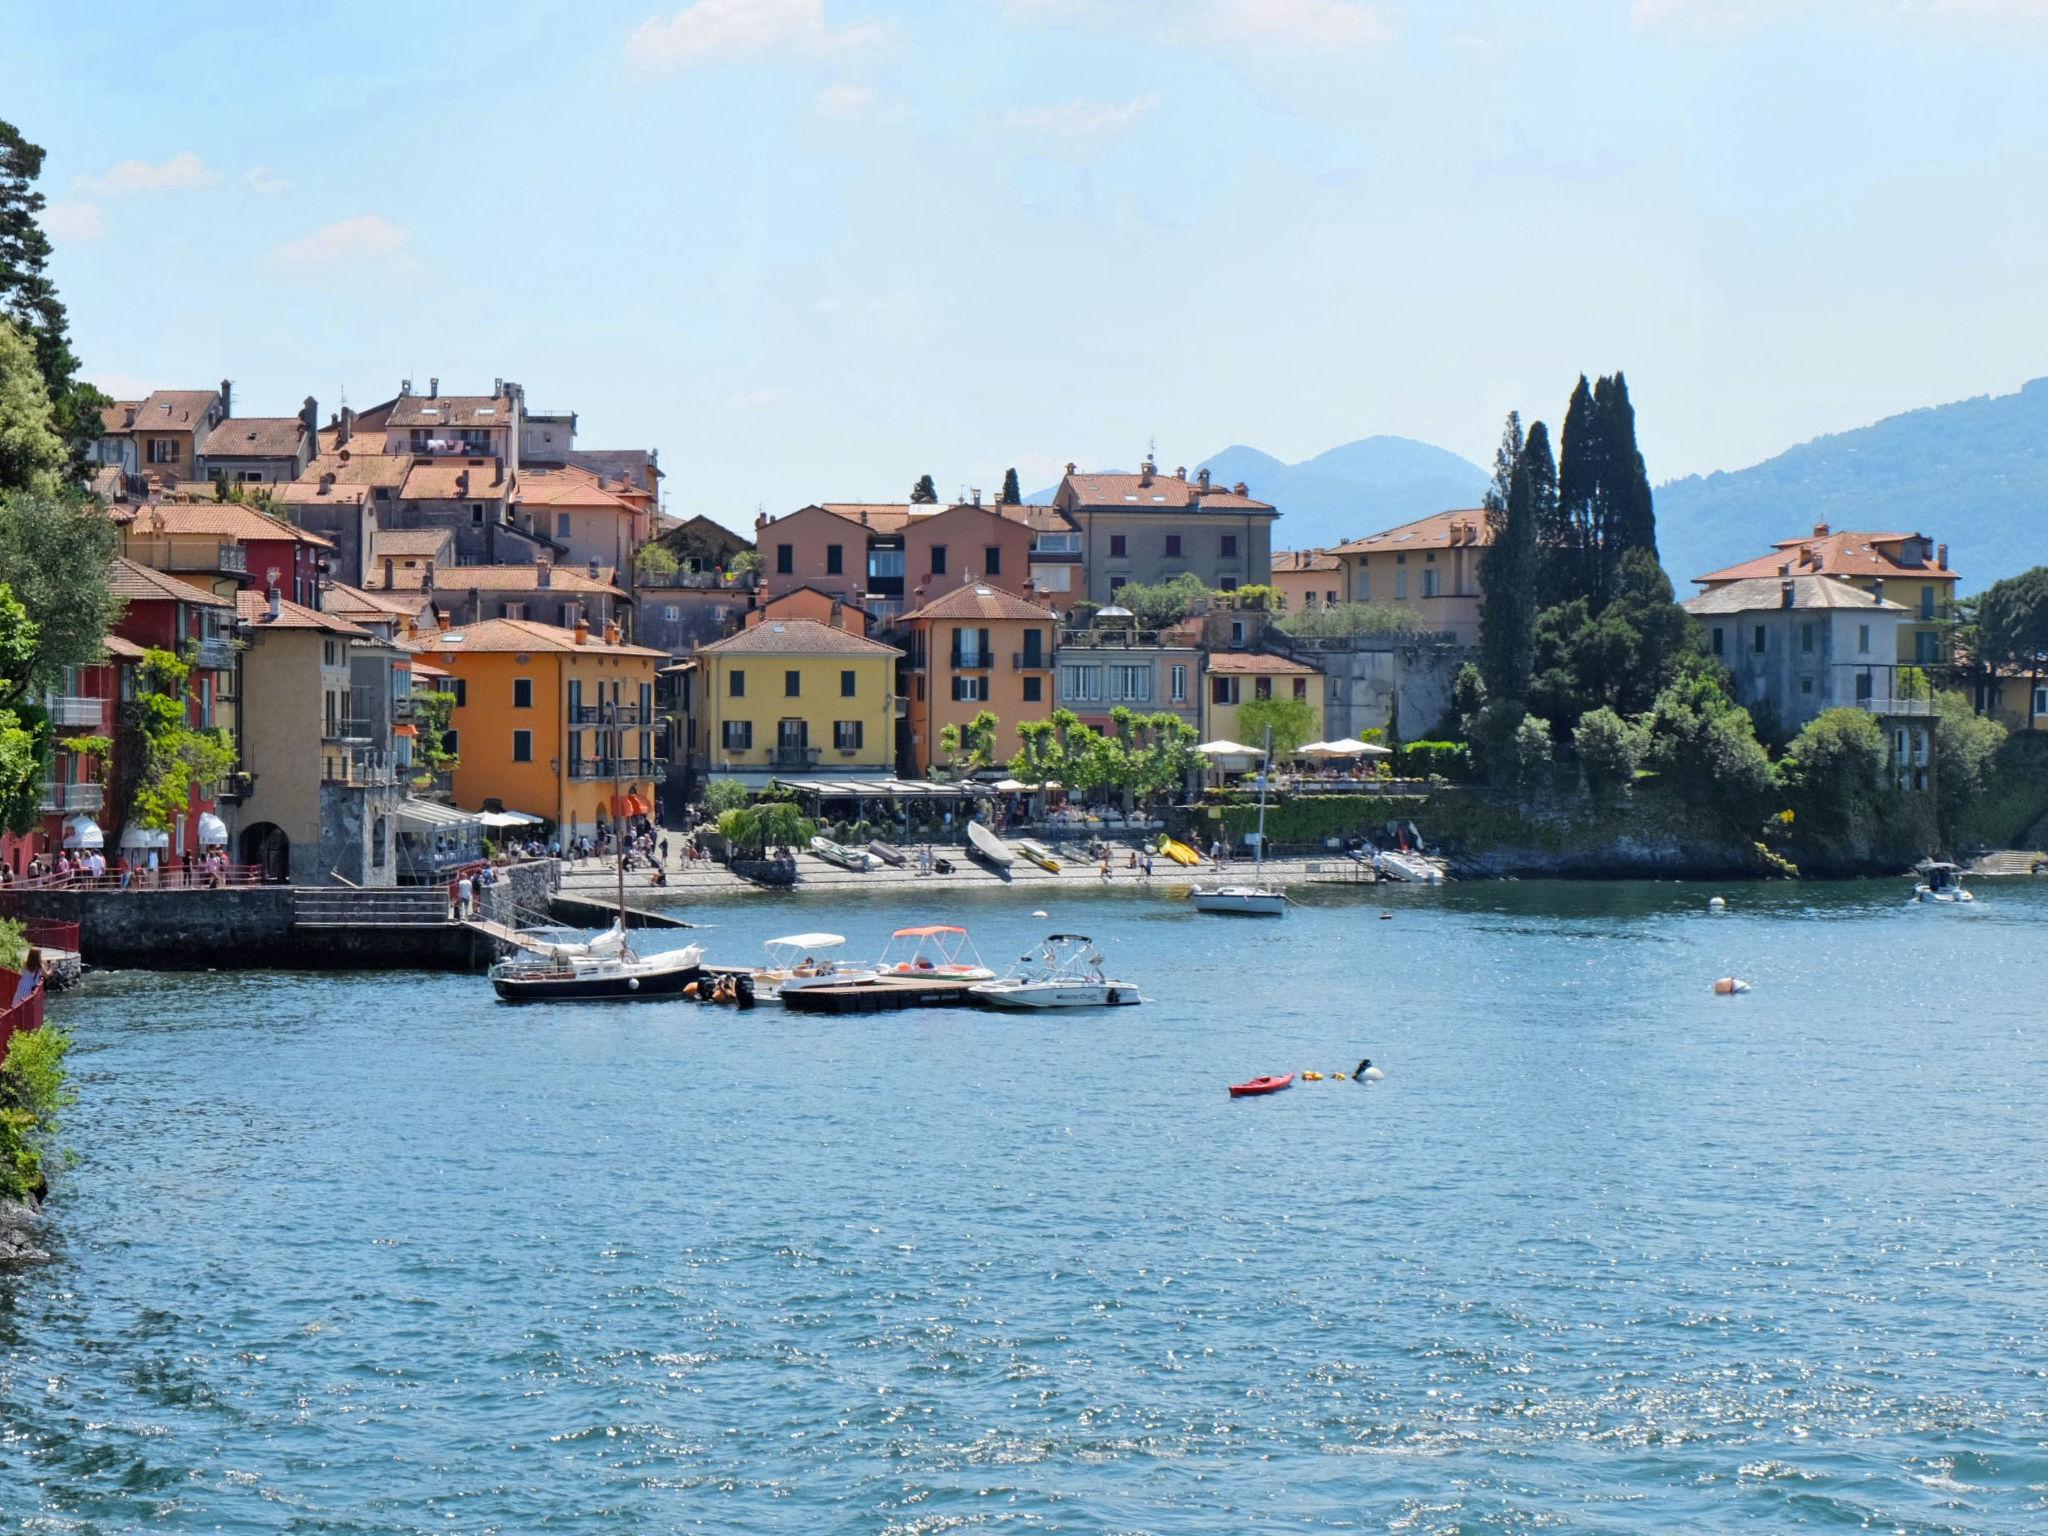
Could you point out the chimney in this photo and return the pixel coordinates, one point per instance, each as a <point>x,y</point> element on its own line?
<point>545,569</point>
<point>276,604</point>
<point>427,579</point>
<point>976,493</point>
<point>1239,489</point>
<point>442,622</point>
<point>1820,530</point>
<point>593,568</point>
<point>326,484</point>
<point>1180,471</point>
<point>760,521</point>
<point>310,415</point>
<point>611,631</point>
<point>345,426</point>
<point>1877,589</point>
<point>1070,467</point>
<point>1941,558</point>
<point>838,614</point>
<point>1202,478</point>
<point>582,631</point>
<point>462,483</point>
<point>497,388</point>
<point>1147,470</point>
<point>388,564</point>
<point>1785,594</point>
<point>433,389</point>
<point>227,397</point>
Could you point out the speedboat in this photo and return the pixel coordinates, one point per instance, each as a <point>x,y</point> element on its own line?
<point>1407,866</point>
<point>859,860</point>
<point>802,960</point>
<point>1940,882</point>
<point>1066,972</point>
<point>938,952</point>
<point>988,848</point>
<point>619,975</point>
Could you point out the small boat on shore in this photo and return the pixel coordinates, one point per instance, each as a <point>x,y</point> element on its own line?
<point>1065,973</point>
<point>989,848</point>
<point>1038,854</point>
<point>803,960</point>
<point>859,860</point>
<point>1409,867</point>
<point>888,853</point>
<point>1180,853</point>
<point>1259,1086</point>
<point>935,952</point>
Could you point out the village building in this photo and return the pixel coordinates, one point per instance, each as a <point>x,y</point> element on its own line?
<point>1428,568</point>
<point>1908,569</point>
<point>1307,579</point>
<point>976,648</point>
<point>788,697</point>
<point>1235,678</point>
<point>1149,528</point>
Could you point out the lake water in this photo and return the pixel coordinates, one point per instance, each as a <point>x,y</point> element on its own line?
<point>1604,1252</point>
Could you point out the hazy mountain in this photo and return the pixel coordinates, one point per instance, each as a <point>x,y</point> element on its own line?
<point>1359,488</point>
<point>1972,475</point>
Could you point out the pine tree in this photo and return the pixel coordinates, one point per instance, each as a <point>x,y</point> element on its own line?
<point>924,493</point>
<point>29,298</point>
<point>1013,493</point>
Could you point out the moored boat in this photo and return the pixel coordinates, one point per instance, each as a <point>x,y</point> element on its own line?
<point>1180,853</point>
<point>1258,1086</point>
<point>859,860</point>
<point>619,976</point>
<point>934,952</point>
<point>804,960</point>
<point>1259,898</point>
<point>1066,972</point>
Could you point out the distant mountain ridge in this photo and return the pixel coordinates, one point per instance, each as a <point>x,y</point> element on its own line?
<point>1972,474</point>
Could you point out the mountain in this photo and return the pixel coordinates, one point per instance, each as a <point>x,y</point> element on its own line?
<point>1972,475</point>
<point>1355,489</point>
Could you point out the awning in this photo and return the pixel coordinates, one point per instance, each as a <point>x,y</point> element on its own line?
<point>405,730</point>
<point>508,819</point>
<point>213,832</point>
<point>144,837</point>
<point>83,832</point>
<point>631,805</point>
<point>442,818</point>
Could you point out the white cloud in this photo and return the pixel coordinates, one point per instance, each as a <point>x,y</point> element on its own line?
<point>261,178</point>
<point>366,238</point>
<point>74,221</point>
<point>847,102</point>
<point>1079,119</point>
<point>1730,18</point>
<point>762,399</point>
<point>1318,25</point>
<point>713,31</point>
<point>180,173</point>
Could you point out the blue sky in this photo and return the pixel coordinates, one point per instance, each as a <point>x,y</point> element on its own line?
<point>814,248</point>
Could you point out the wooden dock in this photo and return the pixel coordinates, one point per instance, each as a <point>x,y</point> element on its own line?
<point>880,997</point>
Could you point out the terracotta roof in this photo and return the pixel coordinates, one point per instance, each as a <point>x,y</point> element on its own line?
<point>1443,530</point>
<point>119,416</point>
<point>521,635</point>
<point>108,482</point>
<point>138,583</point>
<point>442,480</point>
<point>450,411</point>
<point>1132,493</point>
<point>880,516</point>
<point>126,649</point>
<point>796,637</point>
<point>243,524</point>
<point>1286,560</point>
<point>513,578</point>
<point>254,609</point>
<point>1752,594</point>
<point>302,492</point>
<point>635,464</point>
<point>370,419</point>
<point>566,488</point>
<point>1258,661</point>
<point>979,600</point>
<point>420,669</point>
<point>351,467</point>
<point>256,437</point>
<point>410,543</point>
<point>1048,520</point>
<point>180,410</point>
<point>340,597</point>
<point>1823,553</point>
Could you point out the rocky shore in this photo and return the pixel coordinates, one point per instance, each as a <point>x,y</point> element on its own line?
<point>18,1222</point>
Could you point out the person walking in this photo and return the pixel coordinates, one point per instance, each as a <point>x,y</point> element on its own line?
<point>465,897</point>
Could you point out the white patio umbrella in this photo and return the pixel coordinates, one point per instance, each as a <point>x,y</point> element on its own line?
<point>1226,749</point>
<point>1344,746</point>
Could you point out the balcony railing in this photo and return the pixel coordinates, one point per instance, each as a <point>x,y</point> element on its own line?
<point>338,731</point>
<point>222,558</point>
<point>603,714</point>
<point>1886,704</point>
<point>973,661</point>
<point>70,798</point>
<point>1030,661</point>
<point>359,768</point>
<point>652,768</point>
<point>72,710</point>
<point>217,654</point>
<point>797,757</point>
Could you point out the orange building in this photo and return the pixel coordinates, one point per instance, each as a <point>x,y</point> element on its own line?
<point>1308,578</point>
<point>977,648</point>
<point>810,603</point>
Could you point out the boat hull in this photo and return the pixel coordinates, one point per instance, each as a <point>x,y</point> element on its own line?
<point>1040,855</point>
<point>1038,996</point>
<point>1259,1087</point>
<point>1180,853</point>
<point>1239,903</point>
<point>988,848</point>
<point>610,988</point>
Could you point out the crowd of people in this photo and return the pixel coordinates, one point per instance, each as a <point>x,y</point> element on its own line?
<point>145,871</point>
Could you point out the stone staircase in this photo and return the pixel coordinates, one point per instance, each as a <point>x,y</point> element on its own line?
<point>339,906</point>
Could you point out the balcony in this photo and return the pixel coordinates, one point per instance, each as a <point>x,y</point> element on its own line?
<point>73,798</point>
<point>213,559</point>
<point>341,732</point>
<point>1030,661</point>
<point>973,661</point>
<point>216,654</point>
<point>1886,705</point>
<point>358,768</point>
<point>73,711</point>
<point>604,714</point>
<point>796,759</point>
<point>628,768</point>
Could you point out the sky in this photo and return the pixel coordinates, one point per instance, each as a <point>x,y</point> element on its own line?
<point>812,249</point>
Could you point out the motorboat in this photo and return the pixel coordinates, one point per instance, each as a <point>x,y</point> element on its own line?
<point>1940,883</point>
<point>1038,854</point>
<point>1065,972</point>
<point>989,848</point>
<point>859,860</point>
<point>804,960</point>
<point>621,975</point>
<point>888,853</point>
<point>1259,898</point>
<point>1407,866</point>
<point>936,952</point>
<point>1259,1086</point>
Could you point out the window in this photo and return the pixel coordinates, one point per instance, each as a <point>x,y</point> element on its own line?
<point>562,525</point>
<point>737,686</point>
<point>522,693</point>
<point>885,565</point>
<point>971,689</point>
<point>793,736</point>
<point>1400,583</point>
<point>476,512</point>
<point>1363,586</point>
<point>1429,576</point>
<point>163,450</point>
<point>938,559</point>
<point>1179,683</point>
<point>1173,546</point>
<point>992,560</point>
<point>846,735</point>
<point>792,684</point>
<point>460,688</point>
<point>1130,684</point>
<point>330,653</point>
<point>1806,685</point>
<point>846,685</point>
<point>1863,689</point>
<point>2041,701</point>
<point>1806,637</point>
<point>512,610</point>
<point>1117,584</point>
<point>785,559</point>
<point>1056,544</point>
<point>1034,648</point>
<point>971,649</point>
<point>1925,647</point>
<point>1230,546</point>
<point>1718,643</point>
<point>670,613</point>
<point>1301,688</point>
<point>1863,639</point>
<point>1927,602</point>
<point>1080,685</point>
<point>739,735</point>
<point>1034,690</point>
<point>522,746</point>
<point>1223,690</point>
<point>380,838</point>
<point>1262,688</point>
<point>1228,584</point>
<point>835,559</point>
<point>451,743</point>
<point>1119,546</point>
<point>1761,640</point>
<point>1237,631</point>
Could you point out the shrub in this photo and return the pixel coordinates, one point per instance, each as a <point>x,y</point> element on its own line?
<point>1838,765</point>
<point>1444,759</point>
<point>724,795</point>
<point>1609,750</point>
<point>1510,746</point>
<point>33,1091</point>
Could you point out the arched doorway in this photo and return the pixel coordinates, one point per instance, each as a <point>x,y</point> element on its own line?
<point>265,844</point>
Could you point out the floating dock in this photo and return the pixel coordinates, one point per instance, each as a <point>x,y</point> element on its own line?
<point>880,996</point>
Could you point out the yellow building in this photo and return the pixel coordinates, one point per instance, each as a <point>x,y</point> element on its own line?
<point>536,709</point>
<point>1429,568</point>
<point>1909,569</point>
<point>1235,678</point>
<point>792,696</point>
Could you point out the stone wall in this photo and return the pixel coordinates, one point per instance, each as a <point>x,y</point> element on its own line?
<point>519,898</point>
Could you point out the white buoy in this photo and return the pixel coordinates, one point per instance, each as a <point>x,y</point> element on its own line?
<point>1041,914</point>
<point>1718,904</point>
<point>1730,986</point>
<point>1373,1075</point>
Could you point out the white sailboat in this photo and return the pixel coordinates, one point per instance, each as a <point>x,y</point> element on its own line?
<point>1260,898</point>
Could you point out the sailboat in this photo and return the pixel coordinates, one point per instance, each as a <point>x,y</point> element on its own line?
<point>608,968</point>
<point>1260,898</point>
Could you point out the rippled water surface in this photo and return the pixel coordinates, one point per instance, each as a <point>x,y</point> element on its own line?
<point>1603,1253</point>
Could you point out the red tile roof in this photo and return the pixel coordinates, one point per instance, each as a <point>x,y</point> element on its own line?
<point>979,600</point>
<point>796,637</point>
<point>176,410</point>
<point>1259,661</point>
<point>568,487</point>
<point>1156,492</point>
<point>254,609</point>
<point>1825,553</point>
<point>138,583</point>
<point>476,411</point>
<point>243,524</point>
<point>521,635</point>
<point>470,478</point>
<point>351,466</point>
<point>1293,560</point>
<point>256,437</point>
<point>1442,530</point>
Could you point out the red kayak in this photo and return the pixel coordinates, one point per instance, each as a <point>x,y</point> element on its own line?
<point>1259,1085</point>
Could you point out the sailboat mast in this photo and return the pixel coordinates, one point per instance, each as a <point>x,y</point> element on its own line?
<point>619,811</point>
<point>1265,777</point>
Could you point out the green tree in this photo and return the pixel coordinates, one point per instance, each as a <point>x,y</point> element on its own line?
<point>1013,493</point>
<point>1964,745</point>
<point>24,731</point>
<point>722,795</point>
<point>1563,571</point>
<point>57,555</point>
<point>1524,487</point>
<point>1510,747</point>
<point>2012,629</point>
<point>166,756</point>
<point>29,299</point>
<point>1703,744</point>
<point>34,1093</point>
<point>432,762</point>
<point>1610,749</point>
<point>1605,508</point>
<point>924,493</point>
<point>969,751</point>
<point>654,562</point>
<point>1292,722</point>
<point>1630,514</point>
<point>743,565</point>
<point>31,452</point>
<point>1343,619</point>
<point>1838,768</point>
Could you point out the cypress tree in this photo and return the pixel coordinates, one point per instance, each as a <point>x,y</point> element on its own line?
<point>1631,512</point>
<point>924,493</point>
<point>1013,494</point>
<point>1568,541</point>
<point>1508,568</point>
